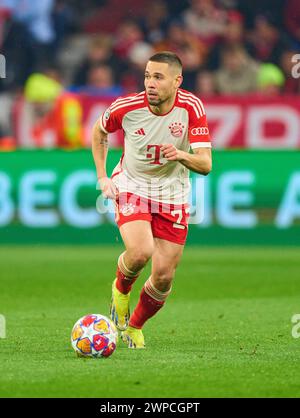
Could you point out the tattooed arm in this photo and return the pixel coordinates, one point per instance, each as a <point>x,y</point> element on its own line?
<point>100,150</point>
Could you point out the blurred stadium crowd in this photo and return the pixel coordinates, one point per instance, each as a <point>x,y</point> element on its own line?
<point>99,47</point>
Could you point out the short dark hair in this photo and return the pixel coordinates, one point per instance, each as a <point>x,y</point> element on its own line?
<point>166,57</point>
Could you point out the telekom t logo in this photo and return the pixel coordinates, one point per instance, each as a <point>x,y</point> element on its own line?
<point>155,154</point>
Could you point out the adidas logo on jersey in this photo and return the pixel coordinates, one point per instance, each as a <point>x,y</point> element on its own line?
<point>140,132</point>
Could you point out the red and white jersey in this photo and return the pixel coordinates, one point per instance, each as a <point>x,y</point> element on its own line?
<point>142,169</point>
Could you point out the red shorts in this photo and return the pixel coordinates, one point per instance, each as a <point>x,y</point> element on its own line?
<point>168,221</point>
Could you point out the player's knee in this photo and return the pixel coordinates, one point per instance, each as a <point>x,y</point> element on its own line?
<point>162,279</point>
<point>141,256</point>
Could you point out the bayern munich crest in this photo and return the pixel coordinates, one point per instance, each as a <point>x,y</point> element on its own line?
<point>176,129</point>
<point>127,209</point>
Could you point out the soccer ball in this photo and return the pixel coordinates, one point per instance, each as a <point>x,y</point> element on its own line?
<point>94,335</point>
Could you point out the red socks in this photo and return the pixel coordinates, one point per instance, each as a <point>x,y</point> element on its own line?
<point>125,277</point>
<point>150,302</point>
<point>151,299</point>
<point>123,283</point>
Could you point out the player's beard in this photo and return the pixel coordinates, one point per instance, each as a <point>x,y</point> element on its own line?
<point>157,102</point>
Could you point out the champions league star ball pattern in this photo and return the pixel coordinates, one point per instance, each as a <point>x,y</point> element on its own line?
<point>94,336</point>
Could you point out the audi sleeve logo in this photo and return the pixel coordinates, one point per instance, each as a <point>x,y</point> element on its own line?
<point>200,131</point>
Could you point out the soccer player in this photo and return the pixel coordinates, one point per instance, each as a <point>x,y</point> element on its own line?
<point>150,185</point>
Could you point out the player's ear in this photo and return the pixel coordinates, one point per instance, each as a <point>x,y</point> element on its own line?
<point>179,80</point>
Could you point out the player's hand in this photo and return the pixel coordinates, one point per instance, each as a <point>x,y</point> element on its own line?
<point>171,153</point>
<point>108,188</point>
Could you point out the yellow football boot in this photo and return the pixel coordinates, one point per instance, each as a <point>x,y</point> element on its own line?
<point>133,337</point>
<point>119,308</point>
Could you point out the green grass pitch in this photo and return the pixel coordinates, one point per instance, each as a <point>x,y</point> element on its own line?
<point>224,332</point>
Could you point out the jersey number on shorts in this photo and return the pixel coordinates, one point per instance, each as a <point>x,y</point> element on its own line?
<point>177,212</point>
